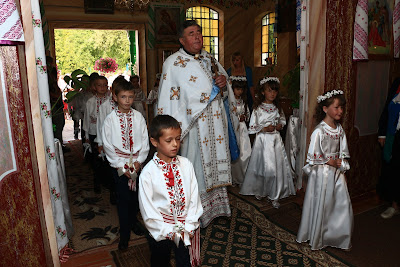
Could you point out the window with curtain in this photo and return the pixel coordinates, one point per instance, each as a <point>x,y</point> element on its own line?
<point>268,40</point>
<point>207,18</point>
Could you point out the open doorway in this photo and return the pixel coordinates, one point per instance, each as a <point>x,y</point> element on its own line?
<point>86,50</point>
<point>95,219</point>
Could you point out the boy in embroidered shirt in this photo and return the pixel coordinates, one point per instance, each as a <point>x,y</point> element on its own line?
<point>126,144</point>
<point>105,109</point>
<point>89,126</point>
<point>169,200</point>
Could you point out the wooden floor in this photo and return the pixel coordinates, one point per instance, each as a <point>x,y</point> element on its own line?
<point>102,256</point>
<point>93,258</point>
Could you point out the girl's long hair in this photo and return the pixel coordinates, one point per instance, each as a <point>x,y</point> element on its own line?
<point>319,111</point>
<point>260,97</point>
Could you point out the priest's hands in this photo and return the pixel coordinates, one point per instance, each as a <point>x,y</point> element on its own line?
<point>220,81</point>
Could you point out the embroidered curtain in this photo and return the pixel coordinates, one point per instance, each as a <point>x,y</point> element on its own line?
<point>10,23</point>
<point>396,28</point>
<point>360,46</point>
<point>57,198</point>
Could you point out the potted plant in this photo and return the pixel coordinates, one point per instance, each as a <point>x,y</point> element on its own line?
<point>78,81</point>
<point>106,65</point>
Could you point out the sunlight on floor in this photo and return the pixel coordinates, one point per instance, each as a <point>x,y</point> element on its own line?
<point>68,132</point>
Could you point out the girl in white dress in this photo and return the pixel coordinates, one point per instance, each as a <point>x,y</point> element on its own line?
<point>327,218</point>
<point>241,110</point>
<point>268,173</point>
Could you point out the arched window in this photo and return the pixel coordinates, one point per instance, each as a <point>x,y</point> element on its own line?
<point>268,40</point>
<point>207,18</point>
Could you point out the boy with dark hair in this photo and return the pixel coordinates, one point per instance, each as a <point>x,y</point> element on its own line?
<point>105,109</point>
<point>101,93</point>
<point>169,200</point>
<point>126,145</point>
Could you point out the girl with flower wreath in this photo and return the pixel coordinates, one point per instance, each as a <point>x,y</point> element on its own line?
<point>241,111</point>
<point>327,218</point>
<point>269,173</point>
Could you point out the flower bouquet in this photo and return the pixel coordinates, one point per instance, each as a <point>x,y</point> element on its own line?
<point>106,65</point>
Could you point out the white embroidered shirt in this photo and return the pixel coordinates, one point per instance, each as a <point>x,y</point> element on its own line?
<point>159,198</point>
<point>124,134</point>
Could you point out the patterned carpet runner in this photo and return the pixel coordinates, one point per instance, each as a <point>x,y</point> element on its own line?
<point>95,220</point>
<point>247,238</point>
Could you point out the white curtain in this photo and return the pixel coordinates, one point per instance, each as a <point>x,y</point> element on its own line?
<point>58,195</point>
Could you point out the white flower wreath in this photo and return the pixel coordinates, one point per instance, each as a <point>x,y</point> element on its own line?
<point>238,78</point>
<point>329,94</point>
<point>267,79</point>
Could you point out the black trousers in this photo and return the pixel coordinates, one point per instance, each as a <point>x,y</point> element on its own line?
<point>127,205</point>
<point>77,127</point>
<point>161,253</point>
<point>389,183</point>
<point>95,162</point>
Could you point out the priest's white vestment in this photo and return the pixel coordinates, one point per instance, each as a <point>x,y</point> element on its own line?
<point>185,92</point>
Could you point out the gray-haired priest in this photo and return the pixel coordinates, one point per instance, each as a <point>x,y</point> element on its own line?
<point>187,93</point>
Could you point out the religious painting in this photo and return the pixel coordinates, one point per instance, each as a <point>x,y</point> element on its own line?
<point>167,22</point>
<point>380,14</point>
<point>7,155</point>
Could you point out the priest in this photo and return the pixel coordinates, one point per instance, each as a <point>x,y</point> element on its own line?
<point>193,88</point>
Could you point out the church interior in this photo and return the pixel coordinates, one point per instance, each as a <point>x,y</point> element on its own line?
<point>316,40</point>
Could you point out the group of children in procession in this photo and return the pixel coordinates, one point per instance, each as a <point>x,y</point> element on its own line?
<point>327,218</point>
<point>166,193</point>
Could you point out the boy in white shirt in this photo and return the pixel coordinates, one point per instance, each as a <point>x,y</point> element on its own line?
<point>169,200</point>
<point>106,108</point>
<point>89,126</point>
<point>126,144</point>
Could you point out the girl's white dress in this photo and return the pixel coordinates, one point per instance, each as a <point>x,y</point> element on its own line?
<point>238,167</point>
<point>327,218</point>
<point>268,173</point>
